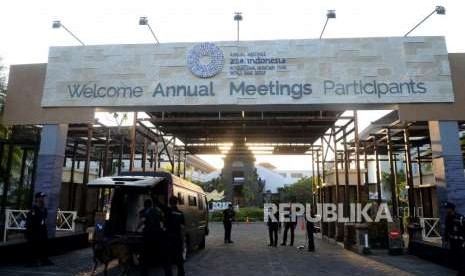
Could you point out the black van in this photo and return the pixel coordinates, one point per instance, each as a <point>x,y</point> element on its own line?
<point>130,189</point>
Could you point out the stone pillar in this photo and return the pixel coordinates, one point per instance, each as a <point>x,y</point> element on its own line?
<point>447,164</point>
<point>50,168</point>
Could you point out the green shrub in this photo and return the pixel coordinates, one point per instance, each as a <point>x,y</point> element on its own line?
<point>216,216</point>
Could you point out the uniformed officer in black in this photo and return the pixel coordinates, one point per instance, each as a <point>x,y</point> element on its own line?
<point>455,237</point>
<point>273,227</point>
<point>175,225</point>
<point>36,231</point>
<point>310,230</point>
<point>289,225</point>
<point>228,218</point>
<point>152,218</point>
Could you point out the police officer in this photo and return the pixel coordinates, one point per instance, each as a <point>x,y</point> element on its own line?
<point>310,230</point>
<point>273,227</point>
<point>228,218</point>
<point>175,224</point>
<point>36,230</point>
<point>289,225</point>
<point>455,236</point>
<point>151,218</point>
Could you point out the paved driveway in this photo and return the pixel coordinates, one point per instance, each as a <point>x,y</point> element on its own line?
<point>250,255</point>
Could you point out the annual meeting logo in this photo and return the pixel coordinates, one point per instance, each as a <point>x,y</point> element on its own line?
<point>205,60</point>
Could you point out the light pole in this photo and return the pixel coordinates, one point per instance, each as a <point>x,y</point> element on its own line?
<point>439,10</point>
<point>57,24</point>
<point>144,21</point>
<point>330,14</point>
<point>238,18</point>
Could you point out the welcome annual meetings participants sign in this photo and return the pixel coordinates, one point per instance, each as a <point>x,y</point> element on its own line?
<point>279,72</point>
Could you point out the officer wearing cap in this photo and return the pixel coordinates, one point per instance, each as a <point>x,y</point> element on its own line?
<point>228,218</point>
<point>175,224</point>
<point>310,230</point>
<point>273,228</point>
<point>455,236</point>
<point>289,225</point>
<point>36,231</point>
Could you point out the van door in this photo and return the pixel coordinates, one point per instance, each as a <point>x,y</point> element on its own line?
<point>203,216</point>
<point>194,214</point>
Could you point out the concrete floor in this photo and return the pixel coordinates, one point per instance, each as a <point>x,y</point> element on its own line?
<point>250,255</point>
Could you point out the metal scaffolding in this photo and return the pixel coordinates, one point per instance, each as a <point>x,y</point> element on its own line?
<point>342,159</point>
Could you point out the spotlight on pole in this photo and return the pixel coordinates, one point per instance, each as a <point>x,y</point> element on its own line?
<point>143,21</point>
<point>331,14</point>
<point>438,10</point>
<point>57,24</point>
<point>238,18</point>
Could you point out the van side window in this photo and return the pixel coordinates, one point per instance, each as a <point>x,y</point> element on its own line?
<point>180,198</point>
<point>192,200</point>
<point>201,203</point>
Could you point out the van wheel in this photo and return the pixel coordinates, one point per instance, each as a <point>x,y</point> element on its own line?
<point>202,243</point>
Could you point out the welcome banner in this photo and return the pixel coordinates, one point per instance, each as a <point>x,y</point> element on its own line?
<point>280,72</point>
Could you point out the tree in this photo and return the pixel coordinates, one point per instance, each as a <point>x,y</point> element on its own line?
<point>3,129</point>
<point>401,187</point>
<point>300,192</point>
<point>2,85</point>
<point>249,195</point>
<point>214,184</point>
<point>16,191</point>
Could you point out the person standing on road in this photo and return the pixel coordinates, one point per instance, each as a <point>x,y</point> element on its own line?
<point>228,218</point>
<point>310,230</point>
<point>175,224</point>
<point>273,227</point>
<point>36,231</point>
<point>455,237</point>
<point>153,232</point>
<point>289,225</point>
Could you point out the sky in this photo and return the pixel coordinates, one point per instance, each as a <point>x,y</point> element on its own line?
<point>26,33</point>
